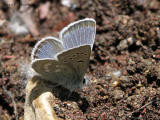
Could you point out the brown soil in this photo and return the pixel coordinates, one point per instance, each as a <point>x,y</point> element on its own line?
<point>124,66</point>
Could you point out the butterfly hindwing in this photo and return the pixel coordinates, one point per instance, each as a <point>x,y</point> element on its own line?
<point>55,72</point>
<point>77,59</point>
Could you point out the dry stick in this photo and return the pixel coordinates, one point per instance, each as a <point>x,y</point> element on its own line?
<point>39,100</point>
<point>129,114</point>
<point>11,97</point>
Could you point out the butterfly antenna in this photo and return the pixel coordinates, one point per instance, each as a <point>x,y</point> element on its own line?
<point>87,82</point>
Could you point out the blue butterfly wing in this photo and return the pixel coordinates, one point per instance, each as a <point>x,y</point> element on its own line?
<point>79,33</point>
<point>48,47</point>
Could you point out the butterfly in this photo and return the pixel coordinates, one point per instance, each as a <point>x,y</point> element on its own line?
<point>64,61</point>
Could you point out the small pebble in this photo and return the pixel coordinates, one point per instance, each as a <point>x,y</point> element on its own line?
<point>118,94</point>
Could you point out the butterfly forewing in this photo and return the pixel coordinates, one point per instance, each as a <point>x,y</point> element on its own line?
<point>78,34</point>
<point>47,48</point>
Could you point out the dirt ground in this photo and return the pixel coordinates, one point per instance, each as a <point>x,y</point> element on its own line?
<point>124,66</point>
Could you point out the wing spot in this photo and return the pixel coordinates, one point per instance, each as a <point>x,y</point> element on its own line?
<point>80,61</point>
<point>71,58</point>
<point>74,55</point>
<point>79,53</point>
<point>64,61</point>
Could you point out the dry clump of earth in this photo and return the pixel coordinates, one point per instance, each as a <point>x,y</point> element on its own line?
<point>124,66</point>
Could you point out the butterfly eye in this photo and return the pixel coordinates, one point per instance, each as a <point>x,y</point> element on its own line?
<point>84,80</point>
